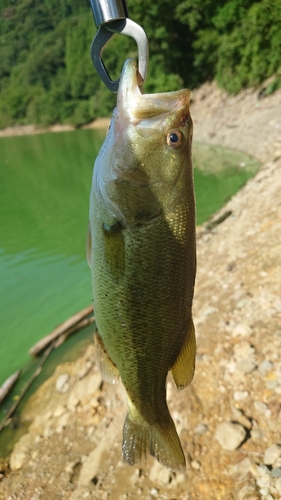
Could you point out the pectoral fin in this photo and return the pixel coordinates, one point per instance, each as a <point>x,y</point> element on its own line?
<point>109,371</point>
<point>114,248</point>
<point>184,366</point>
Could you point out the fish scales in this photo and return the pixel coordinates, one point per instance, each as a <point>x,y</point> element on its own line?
<point>143,262</point>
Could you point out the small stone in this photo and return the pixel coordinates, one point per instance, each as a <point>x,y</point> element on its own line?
<point>169,391</point>
<point>276,472</point>
<point>20,452</point>
<point>274,407</point>
<point>272,376</point>
<point>277,485</point>
<point>242,468</point>
<point>48,432</point>
<point>268,497</point>
<point>210,310</point>
<point>264,491</point>
<point>180,478</point>
<point>241,303</point>
<point>242,330</point>
<point>262,470</point>
<point>17,460</point>
<point>248,492</point>
<point>159,474</point>
<point>264,481</point>
<point>239,417</point>
<point>271,384</point>
<point>85,370</point>
<point>257,434</point>
<point>61,423</point>
<point>84,390</point>
<point>59,411</point>
<point>243,350</point>
<point>260,407</point>
<point>195,465</point>
<point>164,476</point>
<point>265,366</point>
<point>69,467</point>
<point>134,477</point>
<point>272,454</point>
<point>254,470</point>
<point>231,367</point>
<point>62,383</point>
<point>90,467</point>
<point>153,491</point>
<point>201,429</point>
<point>230,436</point>
<point>94,403</point>
<point>246,365</point>
<point>277,463</point>
<point>240,395</point>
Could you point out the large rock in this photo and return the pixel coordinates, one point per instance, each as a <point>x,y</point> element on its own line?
<point>230,436</point>
<point>84,389</point>
<point>20,451</point>
<point>272,454</point>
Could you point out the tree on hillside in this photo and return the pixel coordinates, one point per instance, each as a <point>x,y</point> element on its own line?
<point>46,74</point>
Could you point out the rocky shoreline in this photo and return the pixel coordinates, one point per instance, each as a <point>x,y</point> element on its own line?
<point>33,129</point>
<point>229,419</point>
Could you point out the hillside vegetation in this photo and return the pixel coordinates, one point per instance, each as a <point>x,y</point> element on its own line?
<point>46,74</point>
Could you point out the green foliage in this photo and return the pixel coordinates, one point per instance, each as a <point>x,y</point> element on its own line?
<point>250,53</point>
<point>46,74</point>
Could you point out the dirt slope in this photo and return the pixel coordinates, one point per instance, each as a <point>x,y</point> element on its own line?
<point>229,418</point>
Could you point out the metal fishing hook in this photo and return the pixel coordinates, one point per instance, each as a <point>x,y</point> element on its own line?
<point>111,16</point>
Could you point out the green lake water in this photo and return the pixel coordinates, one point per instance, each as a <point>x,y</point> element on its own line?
<point>44,201</point>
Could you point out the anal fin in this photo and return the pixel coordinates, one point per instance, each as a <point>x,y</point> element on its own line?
<point>184,366</point>
<point>109,371</point>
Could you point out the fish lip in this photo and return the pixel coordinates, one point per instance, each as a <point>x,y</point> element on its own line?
<point>128,86</point>
<point>146,110</point>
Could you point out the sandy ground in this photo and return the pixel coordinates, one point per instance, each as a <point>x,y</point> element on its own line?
<point>229,419</point>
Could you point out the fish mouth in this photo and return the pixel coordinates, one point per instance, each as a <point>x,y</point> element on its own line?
<point>147,110</point>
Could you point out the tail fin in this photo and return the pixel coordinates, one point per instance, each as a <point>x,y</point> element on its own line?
<point>162,443</point>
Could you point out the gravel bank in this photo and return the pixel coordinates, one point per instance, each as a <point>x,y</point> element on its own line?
<point>229,419</point>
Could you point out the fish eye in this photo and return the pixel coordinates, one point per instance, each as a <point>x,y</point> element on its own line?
<point>174,139</point>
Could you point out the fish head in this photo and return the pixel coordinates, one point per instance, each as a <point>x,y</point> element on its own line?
<point>148,147</point>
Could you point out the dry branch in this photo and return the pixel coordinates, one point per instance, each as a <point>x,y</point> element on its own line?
<point>8,385</point>
<point>82,324</point>
<point>38,370</point>
<point>40,346</point>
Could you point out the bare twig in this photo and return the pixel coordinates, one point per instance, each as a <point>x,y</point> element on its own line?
<point>43,343</point>
<point>10,412</point>
<point>8,385</point>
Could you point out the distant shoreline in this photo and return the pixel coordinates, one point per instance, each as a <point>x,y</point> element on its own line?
<point>18,130</point>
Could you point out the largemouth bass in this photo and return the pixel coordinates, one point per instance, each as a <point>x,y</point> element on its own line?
<point>141,250</point>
